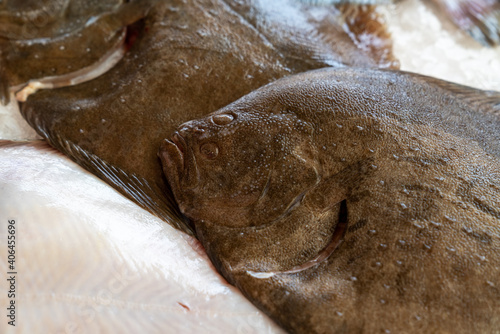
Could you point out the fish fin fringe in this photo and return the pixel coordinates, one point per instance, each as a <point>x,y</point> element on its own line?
<point>148,196</point>
<point>485,101</point>
<point>368,30</point>
<point>38,144</point>
<point>479,18</point>
<point>365,27</point>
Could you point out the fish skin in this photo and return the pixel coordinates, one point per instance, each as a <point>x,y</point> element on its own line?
<point>55,37</point>
<point>414,160</point>
<point>189,59</point>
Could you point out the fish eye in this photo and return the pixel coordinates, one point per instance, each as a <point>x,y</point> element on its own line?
<point>222,119</point>
<point>209,150</point>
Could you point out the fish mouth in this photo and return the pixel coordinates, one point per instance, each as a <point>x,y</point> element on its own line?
<point>179,164</point>
<point>335,242</point>
<point>172,155</point>
<point>172,151</point>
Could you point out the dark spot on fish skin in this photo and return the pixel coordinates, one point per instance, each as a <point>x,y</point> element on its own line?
<point>358,225</point>
<point>359,196</point>
<point>481,205</point>
<point>402,281</point>
<point>465,191</point>
<point>481,236</point>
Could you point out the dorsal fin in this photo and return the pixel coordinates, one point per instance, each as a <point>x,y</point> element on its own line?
<point>486,101</point>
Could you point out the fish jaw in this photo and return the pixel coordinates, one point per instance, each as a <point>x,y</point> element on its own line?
<point>171,154</point>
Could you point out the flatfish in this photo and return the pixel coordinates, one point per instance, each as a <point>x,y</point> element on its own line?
<point>189,58</point>
<point>351,200</point>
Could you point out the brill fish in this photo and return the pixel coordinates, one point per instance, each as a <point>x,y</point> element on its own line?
<point>351,201</point>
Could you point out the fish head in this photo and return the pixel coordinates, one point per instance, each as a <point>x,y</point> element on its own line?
<point>240,167</point>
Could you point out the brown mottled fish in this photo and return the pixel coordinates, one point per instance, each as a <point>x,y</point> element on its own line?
<point>51,38</point>
<point>351,201</point>
<point>189,58</point>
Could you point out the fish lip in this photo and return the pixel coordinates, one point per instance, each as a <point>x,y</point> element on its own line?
<point>172,154</point>
<point>174,149</point>
<point>180,142</point>
<point>179,166</point>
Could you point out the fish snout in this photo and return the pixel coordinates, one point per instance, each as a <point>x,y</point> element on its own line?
<point>171,154</point>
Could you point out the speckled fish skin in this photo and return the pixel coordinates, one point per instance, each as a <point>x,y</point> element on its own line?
<point>54,37</point>
<point>190,58</point>
<point>410,163</point>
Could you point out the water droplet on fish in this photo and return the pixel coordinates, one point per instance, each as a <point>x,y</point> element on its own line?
<point>381,182</point>
<point>451,249</point>
<point>81,130</point>
<point>382,246</point>
<point>374,166</point>
<point>202,32</point>
<point>435,224</point>
<point>467,229</point>
<point>360,128</point>
<point>403,206</point>
<point>451,219</point>
<point>88,49</point>
<point>382,301</point>
<point>490,283</point>
<point>103,121</point>
<point>122,100</point>
<point>372,232</point>
<point>62,47</point>
<point>481,258</point>
<point>354,278</point>
<point>338,125</point>
<point>417,225</point>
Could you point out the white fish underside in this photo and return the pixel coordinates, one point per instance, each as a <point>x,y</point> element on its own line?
<point>90,261</point>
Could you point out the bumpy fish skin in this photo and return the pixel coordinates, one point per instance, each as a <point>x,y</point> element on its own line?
<point>51,38</point>
<point>190,58</point>
<point>411,164</point>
